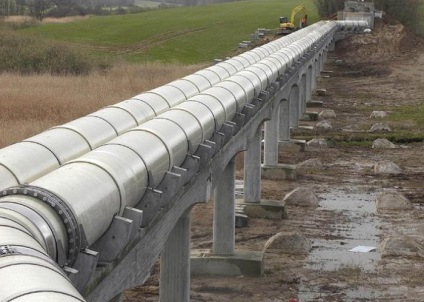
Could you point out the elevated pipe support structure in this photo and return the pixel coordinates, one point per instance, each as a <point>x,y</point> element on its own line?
<point>150,175</point>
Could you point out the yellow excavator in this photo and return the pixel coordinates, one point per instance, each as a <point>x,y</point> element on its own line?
<point>289,27</point>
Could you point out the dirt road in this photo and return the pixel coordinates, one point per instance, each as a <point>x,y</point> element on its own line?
<point>378,72</point>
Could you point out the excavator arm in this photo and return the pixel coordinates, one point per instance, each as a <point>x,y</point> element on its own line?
<point>289,27</point>
<point>295,11</point>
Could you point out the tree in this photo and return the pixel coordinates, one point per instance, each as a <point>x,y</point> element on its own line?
<point>38,8</point>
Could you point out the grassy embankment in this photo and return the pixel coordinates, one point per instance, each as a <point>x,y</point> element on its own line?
<point>187,37</point>
<point>187,34</point>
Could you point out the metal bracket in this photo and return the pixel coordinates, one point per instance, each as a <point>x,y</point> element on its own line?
<point>257,102</point>
<point>155,199</point>
<point>86,266</point>
<point>276,86</point>
<point>218,138</point>
<point>239,120</point>
<point>205,152</point>
<point>271,89</point>
<point>136,216</point>
<point>192,164</point>
<point>227,129</point>
<point>171,183</point>
<point>249,110</point>
<point>264,95</point>
<point>182,172</point>
<point>115,239</point>
<point>150,205</point>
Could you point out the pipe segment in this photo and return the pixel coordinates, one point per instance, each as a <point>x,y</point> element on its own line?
<point>91,190</point>
<point>28,160</point>
<point>58,145</point>
<point>162,148</point>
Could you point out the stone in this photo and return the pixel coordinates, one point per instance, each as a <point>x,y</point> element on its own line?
<point>379,127</point>
<point>321,92</point>
<point>317,142</point>
<point>378,114</point>
<point>323,126</point>
<point>242,220</point>
<point>293,243</point>
<point>313,163</point>
<point>387,167</point>
<point>327,114</point>
<point>401,246</point>
<point>382,143</point>
<point>301,196</point>
<point>392,201</point>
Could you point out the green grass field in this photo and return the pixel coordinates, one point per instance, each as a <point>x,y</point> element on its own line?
<point>187,34</point>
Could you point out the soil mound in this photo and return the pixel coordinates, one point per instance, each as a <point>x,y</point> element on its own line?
<point>389,39</point>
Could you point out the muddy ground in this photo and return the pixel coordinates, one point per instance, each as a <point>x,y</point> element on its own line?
<point>381,71</point>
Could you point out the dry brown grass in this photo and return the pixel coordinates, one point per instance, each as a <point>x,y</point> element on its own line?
<point>66,19</point>
<point>29,19</point>
<point>31,104</point>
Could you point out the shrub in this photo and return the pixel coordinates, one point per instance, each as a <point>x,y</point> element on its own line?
<point>25,55</point>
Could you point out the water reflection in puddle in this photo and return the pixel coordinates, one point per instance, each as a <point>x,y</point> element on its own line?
<point>358,225</point>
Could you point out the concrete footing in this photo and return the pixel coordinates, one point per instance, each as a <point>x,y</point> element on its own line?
<point>313,104</point>
<point>279,172</point>
<point>300,143</point>
<point>310,116</point>
<point>270,209</point>
<point>302,130</point>
<point>242,263</point>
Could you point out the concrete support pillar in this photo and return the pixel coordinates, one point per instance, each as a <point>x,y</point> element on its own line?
<point>252,169</point>
<point>309,85</point>
<point>284,124</point>
<point>271,140</point>
<point>224,213</point>
<point>320,61</point>
<point>314,75</point>
<point>302,107</point>
<point>294,107</point>
<point>175,263</point>
<point>324,58</point>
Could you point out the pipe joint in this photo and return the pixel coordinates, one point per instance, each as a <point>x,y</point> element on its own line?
<point>75,234</point>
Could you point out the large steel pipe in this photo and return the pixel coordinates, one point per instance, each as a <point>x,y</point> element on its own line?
<point>102,183</point>
<point>46,216</point>
<point>27,272</point>
<point>58,145</point>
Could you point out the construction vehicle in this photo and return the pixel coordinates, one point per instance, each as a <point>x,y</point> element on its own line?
<point>289,27</point>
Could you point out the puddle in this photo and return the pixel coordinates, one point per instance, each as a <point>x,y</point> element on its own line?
<point>339,293</point>
<point>358,226</point>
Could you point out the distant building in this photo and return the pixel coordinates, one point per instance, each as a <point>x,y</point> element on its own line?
<point>359,11</point>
